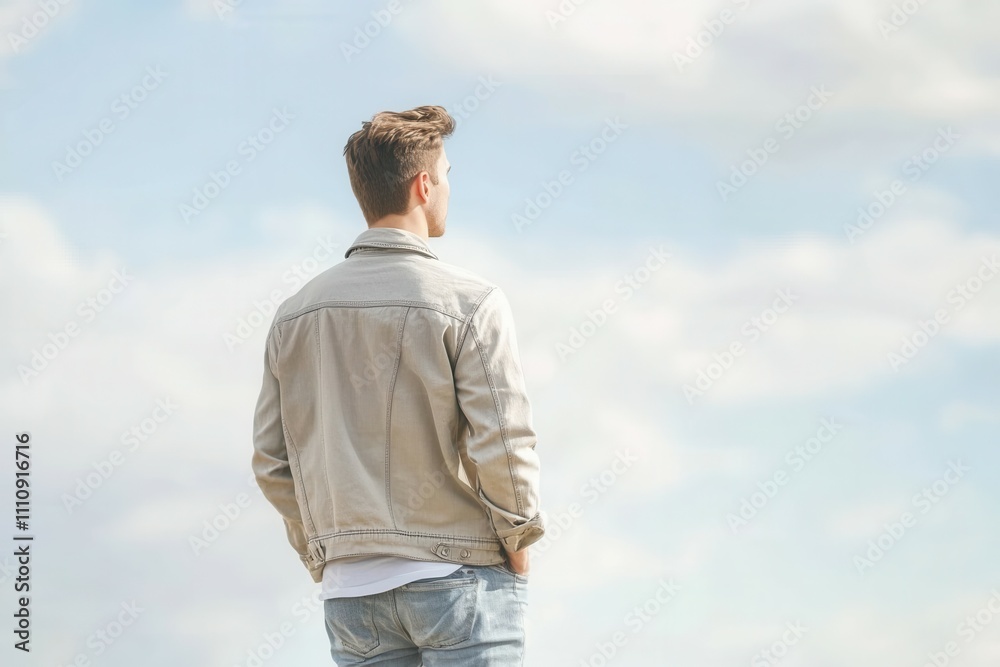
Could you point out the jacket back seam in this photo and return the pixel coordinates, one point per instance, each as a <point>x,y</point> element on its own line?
<point>467,322</point>
<point>388,412</point>
<point>503,425</point>
<point>367,304</point>
<point>307,515</point>
<point>322,415</point>
<point>409,533</point>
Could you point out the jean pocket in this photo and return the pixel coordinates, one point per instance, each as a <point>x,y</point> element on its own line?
<point>442,612</point>
<point>350,623</point>
<point>505,568</point>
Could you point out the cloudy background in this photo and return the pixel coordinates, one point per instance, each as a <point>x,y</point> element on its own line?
<point>744,139</point>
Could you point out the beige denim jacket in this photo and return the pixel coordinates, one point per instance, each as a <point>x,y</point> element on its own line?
<point>393,417</point>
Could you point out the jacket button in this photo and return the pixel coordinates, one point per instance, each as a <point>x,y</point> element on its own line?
<point>444,551</point>
<point>465,553</point>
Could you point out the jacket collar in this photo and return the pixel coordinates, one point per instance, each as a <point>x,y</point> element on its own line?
<point>382,238</point>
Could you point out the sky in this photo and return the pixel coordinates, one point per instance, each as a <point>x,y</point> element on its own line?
<point>753,256</point>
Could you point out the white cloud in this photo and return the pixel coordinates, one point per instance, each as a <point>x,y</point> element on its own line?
<point>852,305</point>
<point>959,414</point>
<point>864,522</point>
<point>23,25</point>
<point>202,10</point>
<point>612,57</point>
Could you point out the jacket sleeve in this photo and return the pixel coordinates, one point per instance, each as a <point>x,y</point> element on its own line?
<point>270,457</point>
<point>500,442</point>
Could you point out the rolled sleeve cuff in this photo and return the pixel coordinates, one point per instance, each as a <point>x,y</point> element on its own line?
<point>515,532</point>
<point>523,534</point>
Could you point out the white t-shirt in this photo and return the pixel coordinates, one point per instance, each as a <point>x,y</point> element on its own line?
<point>366,575</point>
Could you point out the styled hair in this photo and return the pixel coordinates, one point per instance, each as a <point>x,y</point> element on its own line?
<point>388,151</point>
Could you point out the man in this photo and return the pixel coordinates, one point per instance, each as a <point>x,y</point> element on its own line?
<point>393,432</point>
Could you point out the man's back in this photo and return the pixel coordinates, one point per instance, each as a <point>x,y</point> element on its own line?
<point>393,433</point>
<point>402,405</point>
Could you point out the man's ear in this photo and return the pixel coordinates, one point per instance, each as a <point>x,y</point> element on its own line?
<point>423,187</point>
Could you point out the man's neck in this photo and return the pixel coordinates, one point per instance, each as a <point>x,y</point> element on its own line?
<point>412,222</point>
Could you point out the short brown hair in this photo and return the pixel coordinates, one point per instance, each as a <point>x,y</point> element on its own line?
<point>388,151</point>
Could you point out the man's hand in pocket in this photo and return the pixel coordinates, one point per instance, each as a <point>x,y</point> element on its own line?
<point>519,560</point>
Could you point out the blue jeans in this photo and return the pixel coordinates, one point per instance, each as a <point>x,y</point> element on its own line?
<point>472,617</point>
